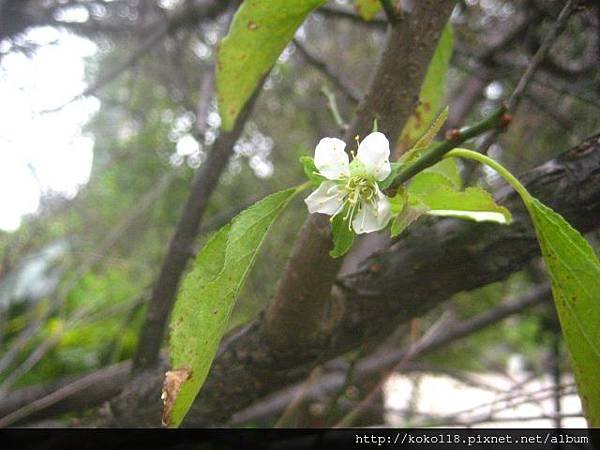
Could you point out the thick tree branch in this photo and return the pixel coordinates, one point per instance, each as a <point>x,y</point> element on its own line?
<point>329,72</point>
<point>179,252</point>
<point>67,395</point>
<point>390,98</point>
<point>387,358</point>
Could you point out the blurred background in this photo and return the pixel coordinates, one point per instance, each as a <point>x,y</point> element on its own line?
<point>107,109</point>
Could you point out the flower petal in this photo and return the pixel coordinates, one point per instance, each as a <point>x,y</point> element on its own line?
<point>327,199</point>
<point>373,216</point>
<point>331,160</point>
<point>374,153</point>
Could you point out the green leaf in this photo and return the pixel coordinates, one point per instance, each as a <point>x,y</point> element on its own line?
<point>412,210</point>
<point>437,188</point>
<point>444,173</point>
<point>367,9</point>
<point>473,203</point>
<point>575,273</point>
<point>343,235</point>
<point>432,91</point>
<point>259,32</point>
<point>425,141</point>
<point>310,170</point>
<point>398,201</point>
<point>429,135</point>
<point>207,297</point>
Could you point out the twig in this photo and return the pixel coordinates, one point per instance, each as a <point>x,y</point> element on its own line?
<point>332,106</point>
<point>179,252</point>
<point>131,60</point>
<point>515,98</point>
<point>414,349</point>
<point>348,91</point>
<point>348,380</point>
<point>455,138</point>
<point>386,359</point>
<point>287,419</point>
<point>511,401</point>
<point>539,56</point>
<point>114,375</point>
<point>115,234</point>
<point>454,421</point>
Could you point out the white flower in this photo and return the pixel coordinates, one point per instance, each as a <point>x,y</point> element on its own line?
<point>353,184</point>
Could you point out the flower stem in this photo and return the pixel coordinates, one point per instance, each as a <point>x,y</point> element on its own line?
<point>502,171</point>
<point>456,137</point>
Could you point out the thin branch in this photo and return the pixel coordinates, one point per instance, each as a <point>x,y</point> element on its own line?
<point>179,252</point>
<point>150,41</point>
<point>508,402</point>
<point>115,235</point>
<point>336,79</point>
<point>434,332</point>
<point>287,419</point>
<point>333,109</point>
<point>71,396</point>
<point>187,14</point>
<point>455,138</point>
<point>539,56</point>
<point>515,98</point>
<point>385,359</point>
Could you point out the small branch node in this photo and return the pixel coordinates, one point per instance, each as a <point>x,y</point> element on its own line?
<point>452,134</point>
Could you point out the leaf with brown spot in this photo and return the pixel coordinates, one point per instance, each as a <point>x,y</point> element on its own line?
<point>259,32</point>
<point>433,91</point>
<point>575,273</point>
<point>174,379</point>
<point>208,294</point>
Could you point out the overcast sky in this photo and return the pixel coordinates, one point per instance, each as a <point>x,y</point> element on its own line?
<point>43,153</point>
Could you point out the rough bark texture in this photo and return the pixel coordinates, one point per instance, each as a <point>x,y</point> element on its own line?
<point>435,260</point>
<point>386,358</point>
<point>391,96</point>
<point>393,91</point>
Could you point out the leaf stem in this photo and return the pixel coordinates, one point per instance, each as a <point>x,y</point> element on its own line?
<point>456,137</point>
<point>502,171</point>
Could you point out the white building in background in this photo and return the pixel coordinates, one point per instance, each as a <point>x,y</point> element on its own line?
<point>516,399</point>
